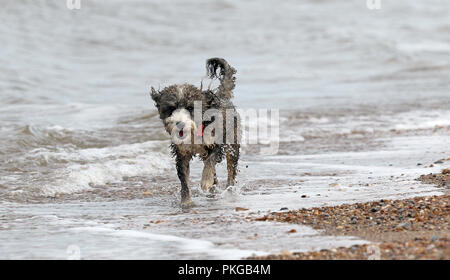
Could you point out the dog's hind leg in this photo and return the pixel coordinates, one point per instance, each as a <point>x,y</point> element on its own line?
<point>232,155</point>
<point>182,163</point>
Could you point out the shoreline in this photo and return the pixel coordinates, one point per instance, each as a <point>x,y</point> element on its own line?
<point>413,228</point>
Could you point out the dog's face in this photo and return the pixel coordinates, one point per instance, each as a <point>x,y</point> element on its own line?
<point>176,106</point>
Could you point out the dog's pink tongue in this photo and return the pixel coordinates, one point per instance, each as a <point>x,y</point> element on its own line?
<point>180,133</point>
<point>200,130</point>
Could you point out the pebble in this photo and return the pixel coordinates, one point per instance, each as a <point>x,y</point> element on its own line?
<point>434,238</point>
<point>405,225</point>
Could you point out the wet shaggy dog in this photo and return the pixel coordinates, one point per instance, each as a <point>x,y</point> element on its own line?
<point>202,123</point>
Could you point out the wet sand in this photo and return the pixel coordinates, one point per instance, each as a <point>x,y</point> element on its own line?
<point>415,228</point>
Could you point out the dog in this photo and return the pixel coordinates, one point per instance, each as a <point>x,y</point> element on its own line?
<point>202,123</point>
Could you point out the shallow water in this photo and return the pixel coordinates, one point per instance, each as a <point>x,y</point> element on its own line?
<point>363,97</point>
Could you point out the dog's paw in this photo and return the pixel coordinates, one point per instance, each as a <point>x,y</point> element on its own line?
<point>187,203</point>
<point>214,189</point>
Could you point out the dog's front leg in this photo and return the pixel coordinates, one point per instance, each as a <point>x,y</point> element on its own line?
<point>209,173</point>
<point>232,155</point>
<point>183,174</point>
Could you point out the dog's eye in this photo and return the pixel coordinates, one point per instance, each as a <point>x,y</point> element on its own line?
<point>170,109</point>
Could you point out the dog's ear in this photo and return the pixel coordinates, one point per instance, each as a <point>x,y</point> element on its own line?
<point>156,95</point>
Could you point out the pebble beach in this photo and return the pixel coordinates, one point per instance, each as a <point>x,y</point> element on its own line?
<point>415,228</point>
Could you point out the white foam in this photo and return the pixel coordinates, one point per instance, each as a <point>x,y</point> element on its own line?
<point>423,124</point>
<point>425,46</point>
<point>357,126</point>
<point>105,165</point>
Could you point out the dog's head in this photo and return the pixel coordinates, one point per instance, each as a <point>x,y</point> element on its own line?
<point>176,105</point>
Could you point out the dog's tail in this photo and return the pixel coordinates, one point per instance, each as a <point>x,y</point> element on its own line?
<point>225,75</point>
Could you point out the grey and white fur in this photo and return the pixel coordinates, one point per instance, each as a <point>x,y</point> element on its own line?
<point>175,105</point>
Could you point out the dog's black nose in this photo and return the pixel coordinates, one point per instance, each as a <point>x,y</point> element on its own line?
<point>180,125</point>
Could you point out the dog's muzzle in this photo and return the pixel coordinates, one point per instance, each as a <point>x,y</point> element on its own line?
<point>180,126</point>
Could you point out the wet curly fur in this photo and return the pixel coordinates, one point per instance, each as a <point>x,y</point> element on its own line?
<point>175,105</point>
